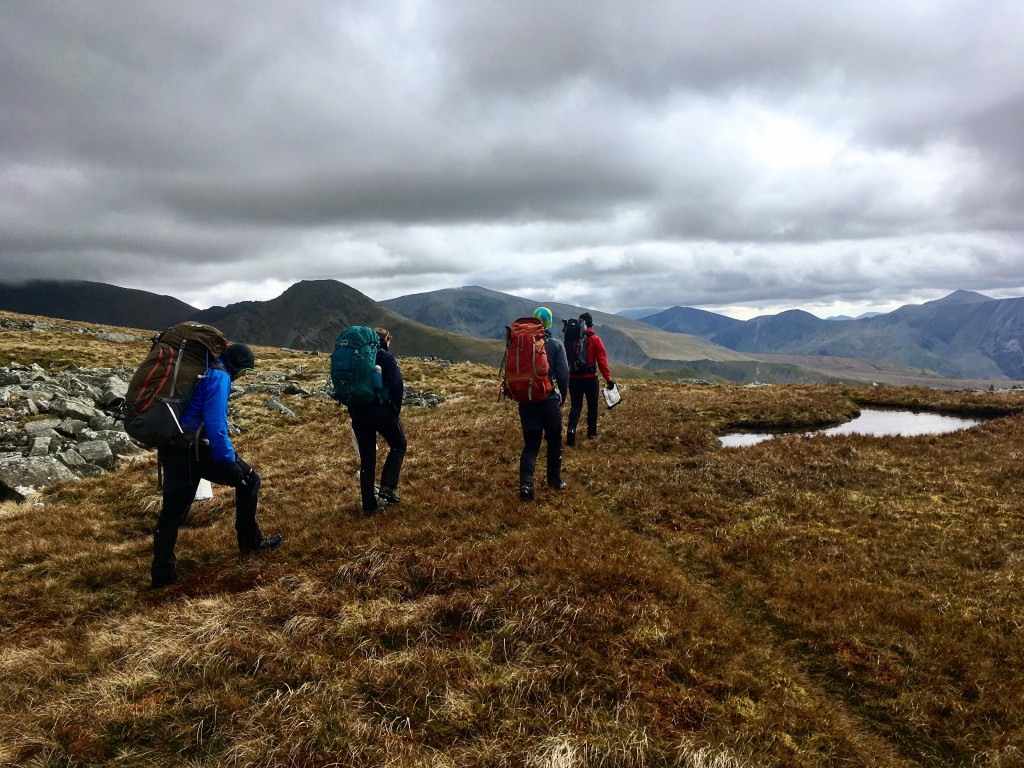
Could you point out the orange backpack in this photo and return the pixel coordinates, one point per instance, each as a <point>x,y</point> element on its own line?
<point>525,369</point>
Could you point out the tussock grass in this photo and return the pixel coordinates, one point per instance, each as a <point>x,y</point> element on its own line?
<point>808,601</point>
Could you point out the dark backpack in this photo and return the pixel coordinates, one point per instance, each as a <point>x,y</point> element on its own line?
<point>578,347</point>
<point>354,373</point>
<point>525,368</point>
<point>163,384</point>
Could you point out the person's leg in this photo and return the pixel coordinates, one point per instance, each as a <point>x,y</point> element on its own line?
<point>575,408</point>
<point>551,425</point>
<point>179,489</point>
<point>591,392</point>
<point>391,430</point>
<point>366,440</point>
<point>247,492</point>
<point>533,432</point>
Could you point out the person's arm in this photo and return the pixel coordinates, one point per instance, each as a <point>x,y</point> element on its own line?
<point>392,377</point>
<point>559,366</point>
<point>215,388</point>
<point>601,357</point>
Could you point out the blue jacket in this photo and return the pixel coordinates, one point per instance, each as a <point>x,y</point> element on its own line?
<point>391,377</point>
<point>209,408</point>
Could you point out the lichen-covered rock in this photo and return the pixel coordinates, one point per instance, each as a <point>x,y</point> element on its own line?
<point>21,476</point>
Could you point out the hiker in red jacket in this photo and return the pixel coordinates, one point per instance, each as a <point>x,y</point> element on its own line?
<point>583,381</point>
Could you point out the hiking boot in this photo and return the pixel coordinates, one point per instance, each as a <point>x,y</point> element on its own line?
<point>591,435</point>
<point>164,580</point>
<point>388,495</point>
<point>559,486</point>
<point>570,438</point>
<point>526,493</point>
<point>265,543</point>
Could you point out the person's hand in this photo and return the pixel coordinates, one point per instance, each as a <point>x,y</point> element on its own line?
<point>237,472</point>
<point>610,384</point>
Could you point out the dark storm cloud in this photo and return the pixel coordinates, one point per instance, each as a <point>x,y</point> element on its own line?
<point>707,152</point>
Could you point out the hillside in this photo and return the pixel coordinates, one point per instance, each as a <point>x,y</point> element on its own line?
<point>94,303</point>
<point>802,603</point>
<point>965,335</point>
<point>311,314</point>
<point>482,312</point>
<point>308,316</point>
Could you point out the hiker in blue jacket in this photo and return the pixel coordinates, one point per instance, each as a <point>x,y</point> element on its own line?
<point>543,420</point>
<point>212,457</point>
<point>381,418</point>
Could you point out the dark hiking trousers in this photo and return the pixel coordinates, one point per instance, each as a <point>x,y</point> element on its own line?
<point>541,420</point>
<point>366,430</point>
<point>578,390</point>
<point>182,470</point>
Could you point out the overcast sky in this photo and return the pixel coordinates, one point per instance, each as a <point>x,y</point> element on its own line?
<point>742,157</point>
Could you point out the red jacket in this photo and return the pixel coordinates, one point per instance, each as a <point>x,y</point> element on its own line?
<point>597,354</point>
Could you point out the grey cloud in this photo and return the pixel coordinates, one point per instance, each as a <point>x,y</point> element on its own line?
<point>312,139</point>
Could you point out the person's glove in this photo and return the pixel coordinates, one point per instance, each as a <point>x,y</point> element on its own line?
<point>237,472</point>
<point>610,385</point>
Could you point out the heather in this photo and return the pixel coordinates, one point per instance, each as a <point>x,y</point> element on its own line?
<point>807,601</point>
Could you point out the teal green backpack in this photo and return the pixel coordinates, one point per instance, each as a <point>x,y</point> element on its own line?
<point>354,371</point>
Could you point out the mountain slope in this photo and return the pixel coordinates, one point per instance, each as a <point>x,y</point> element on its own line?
<point>308,316</point>
<point>696,322</point>
<point>483,312</point>
<point>94,303</point>
<point>311,314</point>
<point>963,335</point>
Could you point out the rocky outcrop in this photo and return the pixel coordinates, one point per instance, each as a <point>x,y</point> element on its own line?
<point>59,425</point>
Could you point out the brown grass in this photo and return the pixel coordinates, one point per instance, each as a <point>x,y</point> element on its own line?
<point>808,601</point>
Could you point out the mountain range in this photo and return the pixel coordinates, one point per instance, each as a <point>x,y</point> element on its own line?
<point>965,336</point>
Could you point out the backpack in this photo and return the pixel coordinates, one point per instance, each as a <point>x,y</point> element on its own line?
<point>525,369</point>
<point>163,384</point>
<point>577,347</point>
<point>354,372</point>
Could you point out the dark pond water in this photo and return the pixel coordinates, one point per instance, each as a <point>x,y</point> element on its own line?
<point>870,422</point>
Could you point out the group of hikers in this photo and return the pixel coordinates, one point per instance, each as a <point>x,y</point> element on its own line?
<point>211,455</point>
<point>541,421</point>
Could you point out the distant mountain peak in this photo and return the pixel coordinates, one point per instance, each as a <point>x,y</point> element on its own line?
<point>962,297</point>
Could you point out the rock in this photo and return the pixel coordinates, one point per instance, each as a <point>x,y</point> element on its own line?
<point>276,405</point>
<point>21,476</point>
<point>72,427</point>
<point>113,390</point>
<point>119,442</point>
<point>41,426</point>
<point>40,446</point>
<point>74,408</point>
<point>97,452</point>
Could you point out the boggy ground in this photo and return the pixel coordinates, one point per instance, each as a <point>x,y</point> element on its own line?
<point>807,601</point>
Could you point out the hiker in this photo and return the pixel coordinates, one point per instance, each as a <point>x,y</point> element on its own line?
<point>583,381</point>
<point>381,418</point>
<point>210,456</point>
<point>543,419</point>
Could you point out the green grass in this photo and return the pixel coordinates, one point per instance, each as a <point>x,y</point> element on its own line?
<point>807,601</point>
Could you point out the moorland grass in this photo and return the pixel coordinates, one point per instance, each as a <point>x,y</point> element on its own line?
<point>807,601</point>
